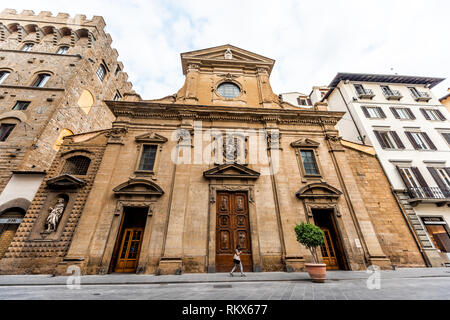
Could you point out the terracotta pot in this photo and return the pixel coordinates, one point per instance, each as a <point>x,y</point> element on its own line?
<point>317,271</point>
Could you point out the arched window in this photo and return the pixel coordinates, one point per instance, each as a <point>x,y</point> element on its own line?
<point>41,80</point>
<point>77,165</point>
<point>101,72</point>
<point>86,101</point>
<point>62,50</point>
<point>3,75</point>
<point>27,47</point>
<point>59,141</point>
<point>228,90</point>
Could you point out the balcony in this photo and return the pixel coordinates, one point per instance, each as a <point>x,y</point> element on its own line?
<point>365,93</point>
<point>392,95</point>
<point>440,196</point>
<point>421,96</point>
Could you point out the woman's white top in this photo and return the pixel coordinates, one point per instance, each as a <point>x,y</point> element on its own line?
<point>236,256</point>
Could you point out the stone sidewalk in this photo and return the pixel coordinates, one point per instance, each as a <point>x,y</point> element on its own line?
<point>123,279</point>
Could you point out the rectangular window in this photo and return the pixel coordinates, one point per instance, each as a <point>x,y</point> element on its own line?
<point>359,88</point>
<point>446,136</point>
<point>101,72</point>
<point>436,228</point>
<point>5,131</point>
<point>374,112</point>
<point>148,158</point>
<point>21,105</point>
<point>432,114</point>
<point>389,140</point>
<point>386,90</point>
<point>414,91</point>
<point>41,80</point>
<point>309,162</point>
<point>420,140</point>
<point>402,113</point>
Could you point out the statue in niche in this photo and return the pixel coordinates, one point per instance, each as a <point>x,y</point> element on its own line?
<point>55,215</point>
<point>228,54</point>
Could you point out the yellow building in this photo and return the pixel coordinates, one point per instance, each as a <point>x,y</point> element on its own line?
<point>179,182</point>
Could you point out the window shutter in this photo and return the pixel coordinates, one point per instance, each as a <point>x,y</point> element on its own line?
<point>383,115</point>
<point>299,101</point>
<point>446,136</point>
<point>405,180</point>
<point>411,139</point>
<point>410,113</point>
<point>380,140</point>
<point>440,115</point>
<point>438,180</point>
<point>394,112</point>
<point>422,182</point>
<point>425,114</point>
<point>430,143</point>
<point>399,142</point>
<point>443,241</point>
<point>366,113</point>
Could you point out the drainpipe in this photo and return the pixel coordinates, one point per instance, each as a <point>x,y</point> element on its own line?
<point>353,119</point>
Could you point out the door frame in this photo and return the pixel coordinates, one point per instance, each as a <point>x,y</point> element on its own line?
<point>107,264</point>
<point>337,223</point>
<point>253,225</point>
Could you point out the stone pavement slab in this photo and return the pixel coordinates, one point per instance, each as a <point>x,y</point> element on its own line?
<point>8,280</point>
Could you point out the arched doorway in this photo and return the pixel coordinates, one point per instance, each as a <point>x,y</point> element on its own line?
<point>9,223</point>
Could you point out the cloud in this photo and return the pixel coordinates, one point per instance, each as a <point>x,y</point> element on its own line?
<point>310,40</point>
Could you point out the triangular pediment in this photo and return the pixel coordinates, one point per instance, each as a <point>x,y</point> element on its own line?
<point>305,142</point>
<point>65,181</point>
<point>227,54</point>
<point>318,190</point>
<point>231,171</point>
<point>151,137</point>
<point>138,187</point>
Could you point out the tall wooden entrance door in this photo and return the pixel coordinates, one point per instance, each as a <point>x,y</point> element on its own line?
<point>129,250</point>
<point>328,251</point>
<point>232,229</point>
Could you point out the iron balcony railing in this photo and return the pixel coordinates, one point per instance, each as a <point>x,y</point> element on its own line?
<point>421,96</point>
<point>365,93</point>
<point>429,193</point>
<point>393,94</point>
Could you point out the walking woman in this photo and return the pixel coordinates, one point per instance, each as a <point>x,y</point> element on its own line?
<point>237,262</point>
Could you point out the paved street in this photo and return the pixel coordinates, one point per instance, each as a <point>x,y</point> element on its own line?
<point>431,283</point>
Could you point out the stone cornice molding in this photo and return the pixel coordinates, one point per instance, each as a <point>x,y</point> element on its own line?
<point>217,113</point>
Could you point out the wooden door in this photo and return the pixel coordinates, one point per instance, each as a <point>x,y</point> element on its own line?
<point>232,229</point>
<point>129,250</point>
<point>328,251</point>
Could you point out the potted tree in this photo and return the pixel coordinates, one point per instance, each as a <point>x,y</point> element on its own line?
<point>311,237</point>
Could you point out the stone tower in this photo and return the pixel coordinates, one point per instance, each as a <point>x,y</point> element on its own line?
<point>55,72</point>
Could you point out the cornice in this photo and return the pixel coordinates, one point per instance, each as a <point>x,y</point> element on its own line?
<point>214,113</point>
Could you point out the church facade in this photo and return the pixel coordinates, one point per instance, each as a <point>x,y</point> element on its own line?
<point>179,182</point>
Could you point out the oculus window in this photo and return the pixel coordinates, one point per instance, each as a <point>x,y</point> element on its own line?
<point>228,90</point>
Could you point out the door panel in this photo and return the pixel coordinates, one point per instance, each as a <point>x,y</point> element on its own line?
<point>232,228</point>
<point>129,250</point>
<point>328,251</point>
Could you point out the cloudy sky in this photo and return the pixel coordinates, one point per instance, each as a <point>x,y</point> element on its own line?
<point>310,40</point>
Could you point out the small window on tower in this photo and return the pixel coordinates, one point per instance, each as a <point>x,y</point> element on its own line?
<point>5,131</point>
<point>41,80</point>
<point>27,47</point>
<point>63,50</point>
<point>21,105</point>
<point>3,75</point>
<point>101,72</point>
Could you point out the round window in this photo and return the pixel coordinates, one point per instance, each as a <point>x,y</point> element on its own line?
<point>228,90</point>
